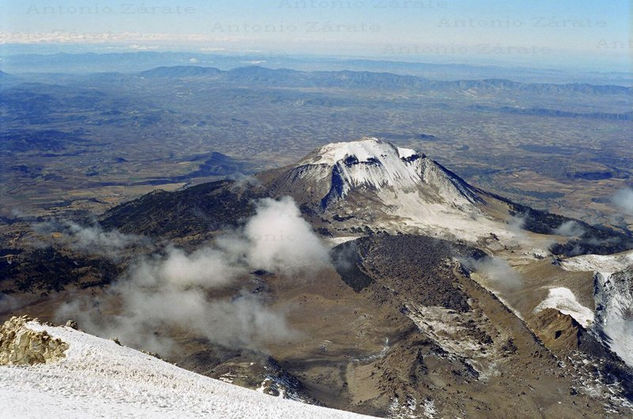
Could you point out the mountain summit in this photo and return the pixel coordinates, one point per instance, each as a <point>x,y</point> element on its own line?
<point>374,164</point>
<point>376,183</point>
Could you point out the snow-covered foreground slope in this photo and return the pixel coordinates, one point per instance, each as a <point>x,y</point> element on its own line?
<point>99,378</point>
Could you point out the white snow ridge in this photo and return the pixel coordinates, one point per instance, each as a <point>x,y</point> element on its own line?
<point>613,298</point>
<point>564,300</point>
<point>605,264</point>
<point>99,378</point>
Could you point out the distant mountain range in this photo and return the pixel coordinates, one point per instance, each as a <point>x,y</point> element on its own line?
<point>378,80</point>
<point>83,63</point>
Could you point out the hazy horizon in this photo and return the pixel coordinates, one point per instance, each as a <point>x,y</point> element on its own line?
<point>581,35</point>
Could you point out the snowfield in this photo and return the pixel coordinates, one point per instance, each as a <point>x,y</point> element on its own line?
<point>614,317</point>
<point>605,264</point>
<point>99,378</point>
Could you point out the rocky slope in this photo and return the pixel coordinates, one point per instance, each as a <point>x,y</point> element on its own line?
<point>463,328</point>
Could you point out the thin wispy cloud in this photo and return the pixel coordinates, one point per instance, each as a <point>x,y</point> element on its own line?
<point>107,37</point>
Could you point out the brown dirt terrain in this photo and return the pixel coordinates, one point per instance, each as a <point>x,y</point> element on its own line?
<point>504,371</point>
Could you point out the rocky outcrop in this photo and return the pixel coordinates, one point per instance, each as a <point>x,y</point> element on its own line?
<point>20,345</point>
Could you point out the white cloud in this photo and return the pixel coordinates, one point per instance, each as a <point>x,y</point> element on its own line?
<point>138,38</point>
<point>570,229</point>
<point>623,200</point>
<point>91,240</point>
<point>496,271</point>
<point>283,241</point>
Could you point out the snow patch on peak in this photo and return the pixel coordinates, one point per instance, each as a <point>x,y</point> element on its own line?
<point>363,150</point>
<point>405,153</point>
<point>376,164</point>
<point>368,162</point>
<point>564,300</point>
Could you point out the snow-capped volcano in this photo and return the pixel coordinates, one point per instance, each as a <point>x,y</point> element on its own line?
<point>370,163</point>
<point>370,182</point>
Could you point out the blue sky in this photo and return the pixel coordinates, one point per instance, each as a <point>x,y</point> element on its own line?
<point>542,32</point>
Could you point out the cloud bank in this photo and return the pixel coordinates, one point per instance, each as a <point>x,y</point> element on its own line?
<point>206,292</point>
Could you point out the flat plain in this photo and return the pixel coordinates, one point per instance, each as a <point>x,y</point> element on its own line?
<point>74,145</point>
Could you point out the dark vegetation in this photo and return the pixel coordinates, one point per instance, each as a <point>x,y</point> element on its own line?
<point>48,269</point>
<point>199,210</point>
